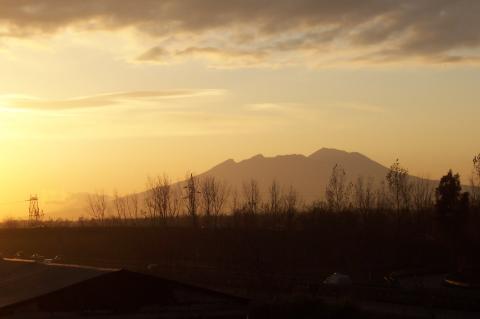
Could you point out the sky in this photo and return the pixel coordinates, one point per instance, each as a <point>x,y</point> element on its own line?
<point>100,94</point>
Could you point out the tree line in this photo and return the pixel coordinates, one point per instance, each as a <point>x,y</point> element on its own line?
<point>206,201</point>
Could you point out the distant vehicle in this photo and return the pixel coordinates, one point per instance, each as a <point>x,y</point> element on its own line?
<point>20,254</point>
<point>338,279</point>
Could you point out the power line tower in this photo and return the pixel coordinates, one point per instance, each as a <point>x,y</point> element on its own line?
<point>34,212</point>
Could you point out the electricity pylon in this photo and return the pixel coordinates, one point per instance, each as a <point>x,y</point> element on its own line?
<point>34,212</point>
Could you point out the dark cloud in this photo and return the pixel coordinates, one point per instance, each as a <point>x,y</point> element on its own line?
<point>433,30</point>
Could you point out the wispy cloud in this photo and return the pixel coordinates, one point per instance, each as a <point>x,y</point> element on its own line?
<point>100,100</point>
<point>360,107</point>
<point>269,107</point>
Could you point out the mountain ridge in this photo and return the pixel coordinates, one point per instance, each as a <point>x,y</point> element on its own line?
<point>309,174</point>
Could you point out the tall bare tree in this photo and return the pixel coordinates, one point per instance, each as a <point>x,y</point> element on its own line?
<point>163,197</point>
<point>149,204</point>
<point>398,185</point>
<point>364,194</point>
<point>133,207</point>
<point>234,203</point>
<point>475,181</point>
<point>97,204</point>
<point>290,204</point>
<point>159,199</point>
<point>274,198</point>
<point>221,193</point>
<point>175,201</point>
<point>338,190</point>
<point>423,192</point>
<point>207,194</point>
<point>251,195</point>
<point>120,205</point>
<point>383,201</point>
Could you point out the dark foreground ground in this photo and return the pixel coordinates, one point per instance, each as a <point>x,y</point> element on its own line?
<point>280,271</point>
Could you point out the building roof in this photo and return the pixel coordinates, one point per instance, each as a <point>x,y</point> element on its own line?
<point>33,287</point>
<point>25,279</point>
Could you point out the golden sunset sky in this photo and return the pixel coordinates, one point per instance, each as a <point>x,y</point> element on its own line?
<point>100,94</point>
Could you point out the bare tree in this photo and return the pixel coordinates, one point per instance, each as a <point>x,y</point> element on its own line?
<point>338,190</point>
<point>191,198</point>
<point>475,180</point>
<point>290,202</point>
<point>175,201</point>
<point>133,207</point>
<point>234,202</point>
<point>364,194</point>
<point>221,193</point>
<point>422,194</point>
<point>149,204</point>
<point>235,207</point>
<point>383,201</point>
<point>163,197</point>
<point>97,203</point>
<point>120,205</point>
<point>252,199</point>
<point>151,200</point>
<point>275,197</point>
<point>158,199</point>
<point>398,185</point>
<point>207,194</point>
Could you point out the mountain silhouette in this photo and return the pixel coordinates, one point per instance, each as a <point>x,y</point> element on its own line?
<point>309,175</point>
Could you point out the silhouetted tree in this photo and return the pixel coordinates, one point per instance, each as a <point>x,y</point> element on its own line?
<point>221,192</point>
<point>274,200</point>
<point>452,209</point>
<point>191,198</point>
<point>363,194</point>
<point>397,180</point>
<point>290,202</point>
<point>157,199</point>
<point>449,197</point>
<point>175,201</point>
<point>97,203</point>
<point>234,202</point>
<point>475,181</point>
<point>338,190</point>
<point>422,194</point>
<point>383,201</point>
<point>120,204</point>
<point>234,207</point>
<point>207,190</point>
<point>133,207</point>
<point>213,195</point>
<point>251,194</point>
